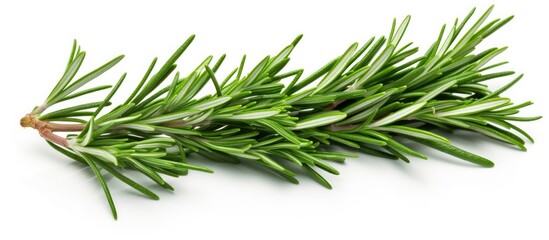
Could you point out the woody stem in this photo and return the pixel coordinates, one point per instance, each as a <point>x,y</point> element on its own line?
<point>33,122</point>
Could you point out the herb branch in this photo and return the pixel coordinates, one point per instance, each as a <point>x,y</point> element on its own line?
<point>370,98</point>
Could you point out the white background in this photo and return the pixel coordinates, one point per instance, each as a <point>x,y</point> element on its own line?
<point>43,194</point>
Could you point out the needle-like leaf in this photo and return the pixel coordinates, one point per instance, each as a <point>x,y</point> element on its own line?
<point>320,119</point>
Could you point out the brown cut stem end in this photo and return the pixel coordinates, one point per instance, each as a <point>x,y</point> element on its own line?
<point>27,121</point>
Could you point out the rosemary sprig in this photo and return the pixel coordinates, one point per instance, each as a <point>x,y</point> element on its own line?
<point>369,98</point>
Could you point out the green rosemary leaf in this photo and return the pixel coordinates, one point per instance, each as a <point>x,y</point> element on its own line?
<point>234,143</point>
<point>320,163</point>
<point>370,54</point>
<point>414,132</point>
<point>400,31</point>
<point>87,78</point>
<point>344,141</point>
<point>524,133</point>
<point>470,119</point>
<point>175,130</point>
<point>496,26</point>
<point>297,74</point>
<point>368,101</point>
<point>499,134</point>
<point>76,114</point>
<point>68,111</point>
<point>433,93</point>
<point>73,53</point>
<point>405,47</point>
<point>376,65</point>
<point>147,146</point>
<point>330,157</point>
<point>267,141</point>
<point>462,24</point>
<point>109,169</point>
<point>284,155</point>
<point>146,171</point>
<point>171,117</point>
<point>172,173</point>
<point>158,140</point>
<point>171,90</point>
<point>223,132</point>
<point>241,67</point>
<point>486,59</point>
<point>359,138</point>
<point>115,113</point>
<point>316,75</point>
<point>467,37</point>
<point>192,145</point>
<point>316,100</point>
<point>365,116</point>
<point>110,95</point>
<point>523,119</point>
<point>143,80</point>
<point>273,164</point>
<point>456,152</point>
<point>206,105</point>
<point>229,76</point>
<point>430,54</point>
<point>275,69</point>
<point>192,167</point>
<point>298,96</point>
<point>183,92</point>
<point>96,152</point>
<point>217,64</point>
<point>256,72</point>
<point>91,163</point>
<point>88,137</point>
<point>121,120</point>
<point>259,114</point>
<point>393,144</point>
<point>377,153</point>
<point>337,70</point>
<point>406,79</point>
<point>479,106</point>
<point>67,77</point>
<point>214,80</point>
<point>317,176</point>
<point>397,154</point>
<point>240,136</point>
<point>398,115</point>
<point>67,152</point>
<point>392,32</point>
<point>286,174</point>
<point>280,130</point>
<point>163,72</point>
<point>270,88</point>
<point>140,154</point>
<point>361,51</point>
<point>280,57</point>
<point>504,88</point>
<point>320,119</point>
<point>443,121</point>
<point>340,154</point>
<point>67,119</point>
<point>484,69</point>
<point>223,148</point>
<point>351,94</point>
<point>102,142</point>
<point>84,92</point>
<point>219,157</point>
